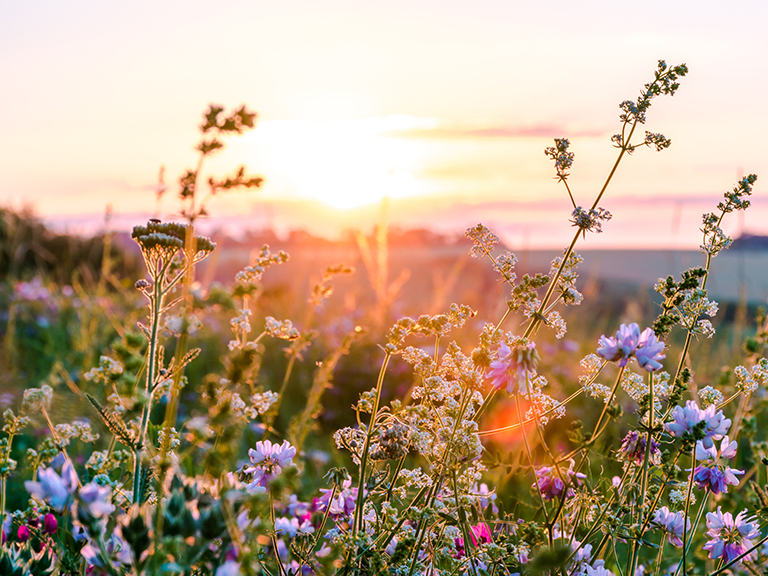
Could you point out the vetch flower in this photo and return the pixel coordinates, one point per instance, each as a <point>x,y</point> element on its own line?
<point>514,367</point>
<point>672,523</point>
<point>729,534</point>
<point>620,348</point>
<point>649,351</point>
<point>633,448</point>
<point>552,482</point>
<point>343,503</point>
<point>56,490</point>
<point>712,474</point>
<point>269,460</point>
<point>694,422</point>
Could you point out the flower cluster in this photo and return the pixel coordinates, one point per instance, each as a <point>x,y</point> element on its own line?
<point>630,342</point>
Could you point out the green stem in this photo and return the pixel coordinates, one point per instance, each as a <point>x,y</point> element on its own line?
<point>157,305</point>
<point>358,520</point>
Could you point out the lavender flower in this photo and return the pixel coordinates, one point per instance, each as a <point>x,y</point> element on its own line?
<point>343,503</point>
<point>551,483</point>
<point>269,460</point>
<point>514,366</point>
<point>649,351</point>
<point>690,418</point>
<point>620,348</point>
<point>711,474</point>
<point>56,490</point>
<point>671,523</point>
<point>729,534</point>
<point>633,448</point>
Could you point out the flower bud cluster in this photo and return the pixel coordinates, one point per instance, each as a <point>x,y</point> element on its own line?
<point>484,240</point>
<point>562,158</point>
<point>264,260</point>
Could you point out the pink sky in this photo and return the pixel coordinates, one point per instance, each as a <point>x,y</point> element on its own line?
<point>444,106</point>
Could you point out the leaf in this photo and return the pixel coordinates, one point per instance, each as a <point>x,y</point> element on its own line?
<point>113,423</point>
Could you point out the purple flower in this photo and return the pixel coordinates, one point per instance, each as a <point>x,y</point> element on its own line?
<point>711,474</point>
<point>95,500</point>
<point>23,534</point>
<point>620,348</point>
<point>55,489</point>
<point>50,525</point>
<point>685,419</point>
<point>514,366</point>
<point>343,503</point>
<point>269,460</point>
<point>729,535</point>
<point>649,351</point>
<point>672,523</point>
<point>552,482</point>
<point>633,448</point>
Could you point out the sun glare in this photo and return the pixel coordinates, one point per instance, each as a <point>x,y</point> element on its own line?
<point>344,164</point>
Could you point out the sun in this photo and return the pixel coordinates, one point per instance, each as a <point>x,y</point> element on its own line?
<point>344,164</point>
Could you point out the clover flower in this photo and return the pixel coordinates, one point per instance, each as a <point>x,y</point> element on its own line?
<point>633,448</point>
<point>673,524</point>
<point>52,488</point>
<point>729,534</point>
<point>552,482</point>
<point>711,423</point>
<point>514,366</point>
<point>269,460</point>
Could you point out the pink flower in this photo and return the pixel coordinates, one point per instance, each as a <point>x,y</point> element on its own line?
<point>672,523</point>
<point>269,460</point>
<point>729,535</point>
<point>513,367</point>
<point>50,525</point>
<point>553,482</point>
<point>23,533</point>
<point>343,503</point>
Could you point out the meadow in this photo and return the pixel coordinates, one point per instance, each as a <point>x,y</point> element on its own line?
<point>395,403</point>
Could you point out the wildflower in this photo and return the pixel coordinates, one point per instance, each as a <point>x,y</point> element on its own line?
<point>633,448</point>
<point>710,422</point>
<point>23,534</point>
<point>589,220</point>
<point>710,397</point>
<point>552,481</point>
<point>95,500</point>
<point>343,503</point>
<point>729,534</point>
<point>649,351</point>
<point>56,490</point>
<point>621,347</point>
<point>269,460</point>
<point>291,526</point>
<point>672,523</point>
<point>598,569</point>
<point>514,366</point>
<point>50,525</point>
<point>711,474</point>
<point>563,159</point>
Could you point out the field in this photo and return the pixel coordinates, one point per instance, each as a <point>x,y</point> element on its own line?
<point>395,403</point>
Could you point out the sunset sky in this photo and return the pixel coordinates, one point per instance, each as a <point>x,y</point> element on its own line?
<point>445,107</point>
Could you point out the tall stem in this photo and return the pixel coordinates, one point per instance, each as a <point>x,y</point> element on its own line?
<point>157,306</point>
<point>357,525</point>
